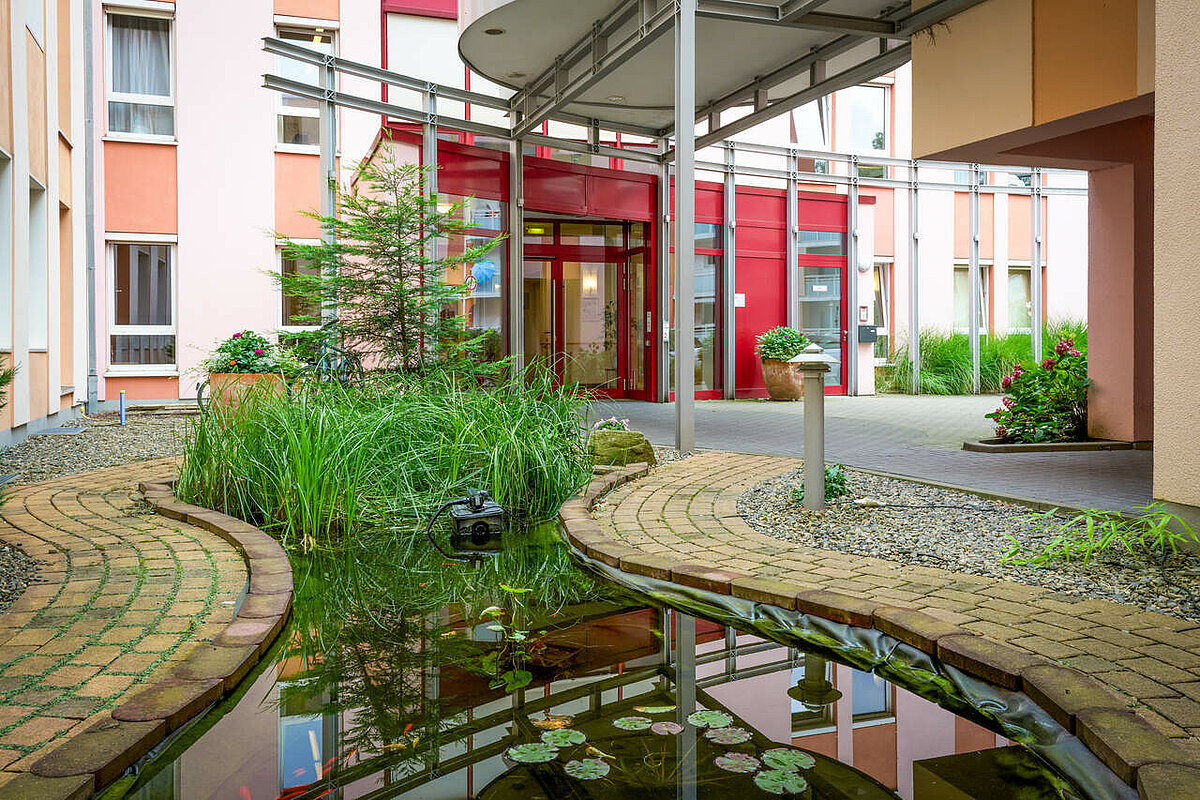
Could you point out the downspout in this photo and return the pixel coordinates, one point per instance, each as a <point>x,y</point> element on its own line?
<point>89,160</point>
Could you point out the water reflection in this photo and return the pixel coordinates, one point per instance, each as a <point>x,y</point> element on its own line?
<point>409,709</point>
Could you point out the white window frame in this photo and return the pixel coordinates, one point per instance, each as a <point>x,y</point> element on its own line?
<point>985,277</point>
<point>279,321</point>
<point>111,96</point>
<point>112,241</point>
<point>1020,266</point>
<point>318,28</point>
<point>888,267</point>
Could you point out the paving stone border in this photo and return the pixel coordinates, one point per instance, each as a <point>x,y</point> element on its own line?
<point>99,754</point>
<point>1141,755</point>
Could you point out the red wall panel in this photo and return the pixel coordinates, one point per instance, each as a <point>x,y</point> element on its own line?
<point>822,212</point>
<point>444,9</point>
<point>621,198</point>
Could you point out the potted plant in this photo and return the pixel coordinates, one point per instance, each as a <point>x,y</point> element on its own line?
<point>776,347</point>
<point>243,362</point>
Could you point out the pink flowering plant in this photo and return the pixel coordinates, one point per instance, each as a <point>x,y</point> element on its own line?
<point>611,424</point>
<point>1046,403</point>
<point>248,352</point>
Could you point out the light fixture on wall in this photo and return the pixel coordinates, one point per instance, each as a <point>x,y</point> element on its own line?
<point>591,282</point>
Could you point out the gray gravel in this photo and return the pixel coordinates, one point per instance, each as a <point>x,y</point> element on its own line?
<point>962,532</point>
<point>103,443</point>
<point>17,571</point>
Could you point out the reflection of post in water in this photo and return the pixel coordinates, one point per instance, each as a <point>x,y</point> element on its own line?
<point>815,691</point>
<point>685,702</point>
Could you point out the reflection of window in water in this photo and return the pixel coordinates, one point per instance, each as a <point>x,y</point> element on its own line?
<point>307,738</point>
<point>870,699</point>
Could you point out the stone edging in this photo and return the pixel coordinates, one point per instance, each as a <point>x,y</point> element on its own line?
<point>1137,752</point>
<point>1085,446</point>
<point>97,756</point>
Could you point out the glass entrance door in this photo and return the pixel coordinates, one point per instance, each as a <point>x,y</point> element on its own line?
<point>822,316</point>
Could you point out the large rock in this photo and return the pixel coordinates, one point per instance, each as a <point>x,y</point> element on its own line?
<point>619,448</point>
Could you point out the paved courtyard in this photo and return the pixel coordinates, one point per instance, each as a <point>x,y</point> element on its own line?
<point>687,510</point>
<point>125,595</point>
<point>917,437</point>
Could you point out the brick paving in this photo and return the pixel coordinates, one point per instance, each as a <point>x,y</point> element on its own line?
<point>687,510</point>
<point>125,595</point>
<point>918,437</point>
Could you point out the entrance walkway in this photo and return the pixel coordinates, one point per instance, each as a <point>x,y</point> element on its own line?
<point>124,596</point>
<point>917,437</point>
<point>687,512</point>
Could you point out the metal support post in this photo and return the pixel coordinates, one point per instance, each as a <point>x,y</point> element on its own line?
<point>685,696</point>
<point>515,282</point>
<point>329,177</point>
<point>429,152</point>
<point>813,363</point>
<point>1036,290</point>
<point>662,318</point>
<point>685,225</point>
<point>973,278</point>
<point>850,356</point>
<point>792,269</point>
<point>729,273</point>
<point>89,230</point>
<point>914,277</point>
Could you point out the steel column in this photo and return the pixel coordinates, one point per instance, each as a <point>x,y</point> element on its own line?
<point>662,310</point>
<point>685,696</point>
<point>515,282</point>
<point>329,178</point>
<point>89,230</point>
<point>685,225</point>
<point>914,277</point>
<point>1036,289</point>
<point>791,272</point>
<point>729,273</point>
<point>973,278</point>
<point>850,356</point>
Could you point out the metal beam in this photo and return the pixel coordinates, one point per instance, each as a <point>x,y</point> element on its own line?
<point>914,278</point>
<point>795,8</point>
<point>792,247</point>
<point>685,225</point>
<point>728,273</point>
<point>871,68</point>
<point>515,281</point>
<point>662,311</point>
<point>976,298</point>
<point>327,123</point>
<point>764,13</point>
<point>1035,268</point>
<point>850,356</point>
<point>554,88</point>
<point>631,154</point>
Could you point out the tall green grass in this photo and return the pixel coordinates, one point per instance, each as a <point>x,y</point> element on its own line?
<point>946,358</point>
<point>326,461</point>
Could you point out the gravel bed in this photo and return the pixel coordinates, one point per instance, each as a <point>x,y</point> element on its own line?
<point>103,443</point>
<point>962,532</point>
<point>665,455</point>
<point>17,571</point>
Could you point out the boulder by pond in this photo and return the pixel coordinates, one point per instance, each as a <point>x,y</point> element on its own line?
<point>618,448</point>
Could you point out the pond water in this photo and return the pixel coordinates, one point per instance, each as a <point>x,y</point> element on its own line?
<point>570,688</point>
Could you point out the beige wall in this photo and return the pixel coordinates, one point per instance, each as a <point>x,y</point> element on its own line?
<point>1006,65</point>
<point>5,79</point>
<point>1176,242</point>
<point>64,66</point>
<point>35,65</point>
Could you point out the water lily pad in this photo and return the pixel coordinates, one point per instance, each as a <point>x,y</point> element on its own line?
<point>737,762</point>
<point>778,781</point>
<point>632,723</point>
<point>666,728</point>
<point>710,719</point>
<point>532,753</point>
<point>588,769</point>
<point>787,759</point>
<point>563,737</point>
<point>727,735</point>
<point>653,709</point>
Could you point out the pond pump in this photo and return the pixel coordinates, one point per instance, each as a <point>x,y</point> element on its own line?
<point>478,526</point>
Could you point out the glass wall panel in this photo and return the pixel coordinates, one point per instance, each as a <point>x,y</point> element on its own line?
<point>820,295</point>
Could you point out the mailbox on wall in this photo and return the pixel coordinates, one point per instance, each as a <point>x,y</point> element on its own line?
<point>867,334</point>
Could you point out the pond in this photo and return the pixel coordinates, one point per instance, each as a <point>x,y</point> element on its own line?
<point>401,676</point>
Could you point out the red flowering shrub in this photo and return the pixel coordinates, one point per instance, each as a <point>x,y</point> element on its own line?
<point>1048,404</point>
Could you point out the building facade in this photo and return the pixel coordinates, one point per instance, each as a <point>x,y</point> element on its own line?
<point>41,214</point>
<point>189,209</point>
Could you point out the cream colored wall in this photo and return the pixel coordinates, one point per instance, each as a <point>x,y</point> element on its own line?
<point>35,61</point>
<point>972,77</point>
<point>6,111</point>
<point>64,65</point>
<point>1176,241</point>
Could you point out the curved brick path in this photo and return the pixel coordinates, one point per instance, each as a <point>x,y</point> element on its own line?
<point>127,595</point>
<point>689,509</point>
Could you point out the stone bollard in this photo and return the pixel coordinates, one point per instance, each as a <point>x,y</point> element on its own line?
<point>813,363</point>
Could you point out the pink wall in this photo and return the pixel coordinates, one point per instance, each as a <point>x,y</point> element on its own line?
<point>314,9</point>
<point>140,187</point>
<point>297,189</point>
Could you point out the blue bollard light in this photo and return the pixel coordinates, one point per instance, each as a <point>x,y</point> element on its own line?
<point>121,406</point>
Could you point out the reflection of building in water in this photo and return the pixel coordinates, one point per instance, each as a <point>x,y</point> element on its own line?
<point>290,726</point>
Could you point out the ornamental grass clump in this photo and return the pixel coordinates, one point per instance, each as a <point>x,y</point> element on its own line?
<point>1047,403</point>
<point>329,461</point>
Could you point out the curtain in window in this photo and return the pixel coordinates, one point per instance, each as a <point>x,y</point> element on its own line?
<point>141,65</point>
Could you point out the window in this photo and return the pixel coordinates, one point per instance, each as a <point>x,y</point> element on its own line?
<point>822,243</point>
<point>870,699</point>
<point>1020,302</point>
<point>707,287</point>
<point>141,95</point>
<point>298,313</point>
<point>298,118</point>
<point>865,115</point>
<point>142,305</point>
<point>962,298</point>
<point>883,312</point>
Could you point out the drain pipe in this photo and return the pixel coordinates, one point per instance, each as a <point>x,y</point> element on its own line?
<point>89,164</point>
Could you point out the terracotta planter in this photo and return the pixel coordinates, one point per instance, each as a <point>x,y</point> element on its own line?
<point>228,389</point>
<point>783,381</point>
